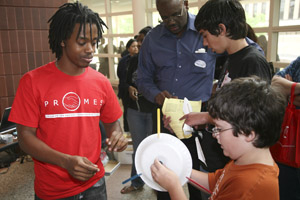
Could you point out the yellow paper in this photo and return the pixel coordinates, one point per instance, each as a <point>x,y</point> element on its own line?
<point>174,108</point>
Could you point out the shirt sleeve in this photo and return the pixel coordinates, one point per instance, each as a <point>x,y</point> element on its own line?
<point>111,111</point>
<point>259,67</point>
<point>25,109</point>
<point>146,72</point>
<point>252,43</point>
<point>213,178</point>
<point>293,69</point>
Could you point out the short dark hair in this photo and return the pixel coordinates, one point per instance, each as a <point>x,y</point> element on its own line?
<point>227,12</point>
<point>129,43</point>
<point>145,30</point>
<point>62,24</point>
<point>250,104</point>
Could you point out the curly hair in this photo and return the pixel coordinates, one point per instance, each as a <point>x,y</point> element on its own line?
<point>63,21</point>
<point>250,104</point>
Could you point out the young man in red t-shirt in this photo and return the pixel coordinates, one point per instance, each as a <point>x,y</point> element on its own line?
<point>58,107</point>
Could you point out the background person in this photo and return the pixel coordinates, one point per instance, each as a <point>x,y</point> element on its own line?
<point>103,61</point>
<point>132,48</point>
<point>289,177</point>
<point>58,106</point>
<point>175,69</point>
<point>139,114</point>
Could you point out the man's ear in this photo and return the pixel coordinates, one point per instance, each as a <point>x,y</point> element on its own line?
<point>222,29</point>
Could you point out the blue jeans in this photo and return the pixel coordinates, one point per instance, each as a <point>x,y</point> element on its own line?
<point>97,191</point>
<point>140,126</point>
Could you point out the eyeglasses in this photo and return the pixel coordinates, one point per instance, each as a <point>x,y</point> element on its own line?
<point>216,131</point>
<point>173,16</point>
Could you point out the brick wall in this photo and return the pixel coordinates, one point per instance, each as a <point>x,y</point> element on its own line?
<point>23,42</point>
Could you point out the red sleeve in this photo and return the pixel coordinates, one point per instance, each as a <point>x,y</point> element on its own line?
<point>213,178</point>
<point>111,111</point>
<point>25,109</point>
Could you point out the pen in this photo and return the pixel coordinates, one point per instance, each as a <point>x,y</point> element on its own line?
<point>132,178</point>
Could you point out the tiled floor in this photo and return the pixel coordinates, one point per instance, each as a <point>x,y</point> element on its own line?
<point>17,184</point>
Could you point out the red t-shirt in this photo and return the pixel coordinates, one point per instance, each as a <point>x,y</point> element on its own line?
<point>66,111</point>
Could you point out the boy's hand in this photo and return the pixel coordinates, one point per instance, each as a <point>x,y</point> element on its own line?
<point>195,119</point>
<point>81,168</point>
<point>164,176</point>
<point>117,142</point>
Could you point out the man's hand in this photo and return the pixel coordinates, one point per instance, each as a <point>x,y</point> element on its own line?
<point>167,121</point>
<point>80,168</point>
<point>160,98</point>
<point>115,138</point>
<point>117,142</point>
<point>288,77</point>
<point>133,93</point>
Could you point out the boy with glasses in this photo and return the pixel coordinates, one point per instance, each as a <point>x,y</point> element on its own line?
<point>247,114</point>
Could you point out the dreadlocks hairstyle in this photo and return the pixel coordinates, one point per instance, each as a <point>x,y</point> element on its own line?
<point>63,21</point>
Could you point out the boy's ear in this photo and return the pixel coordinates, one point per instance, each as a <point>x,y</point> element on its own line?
<point>62,44</point>
<point>222,29</point>
<point>251,137</point>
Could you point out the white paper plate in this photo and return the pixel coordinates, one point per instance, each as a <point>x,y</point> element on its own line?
<point>170,151</point>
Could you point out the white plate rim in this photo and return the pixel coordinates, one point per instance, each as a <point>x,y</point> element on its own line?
<point>169,141</point>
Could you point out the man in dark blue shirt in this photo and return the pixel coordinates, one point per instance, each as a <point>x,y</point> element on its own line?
<point>174,63</point>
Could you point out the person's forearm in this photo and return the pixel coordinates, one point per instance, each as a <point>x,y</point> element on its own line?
<point>209,119</point>
<point>285,85</point>
<point>39,150</point>
<point>200,177</point>
<point>110,127</point>
<point>177,193</point>
<point>297,101</point>
<point>197,119</point>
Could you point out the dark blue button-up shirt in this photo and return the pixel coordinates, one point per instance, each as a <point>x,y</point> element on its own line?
<point>167,62</point>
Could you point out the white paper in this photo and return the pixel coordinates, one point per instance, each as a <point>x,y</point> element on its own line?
<point>199,151</point>
<point>187,108</point>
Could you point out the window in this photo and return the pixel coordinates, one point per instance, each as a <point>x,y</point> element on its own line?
<point>287,50</point>
<point>117,14</point>
<point>257,14</point>
<point>291,9</point>
<point>280,28</point>
<point>120,5</point>
<point>122,24</point>
<point>289,12</point>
